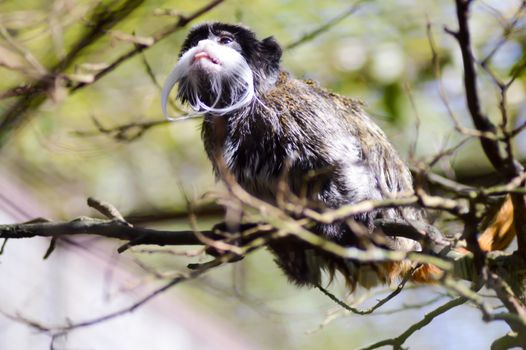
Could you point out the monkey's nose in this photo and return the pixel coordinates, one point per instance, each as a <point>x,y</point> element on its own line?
<point>205,44</point>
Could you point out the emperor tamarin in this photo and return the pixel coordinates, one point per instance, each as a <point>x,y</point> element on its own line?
<point>264,125</point>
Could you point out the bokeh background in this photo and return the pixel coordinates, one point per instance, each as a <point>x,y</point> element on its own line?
<point>53,162</point>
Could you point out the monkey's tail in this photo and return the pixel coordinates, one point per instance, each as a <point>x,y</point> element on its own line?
<point>498,235</point>
<point>500,232</point>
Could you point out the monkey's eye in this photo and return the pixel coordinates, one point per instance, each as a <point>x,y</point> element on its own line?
<point>225,40</point>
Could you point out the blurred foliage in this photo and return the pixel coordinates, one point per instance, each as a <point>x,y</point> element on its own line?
<point>380,54</point>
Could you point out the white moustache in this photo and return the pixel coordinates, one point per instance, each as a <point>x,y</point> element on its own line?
<point>223,64</point>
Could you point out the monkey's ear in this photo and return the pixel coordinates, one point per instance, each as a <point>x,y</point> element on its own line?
<point>272,49</point>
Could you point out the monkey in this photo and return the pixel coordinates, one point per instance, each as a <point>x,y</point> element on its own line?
<point>265,126</point>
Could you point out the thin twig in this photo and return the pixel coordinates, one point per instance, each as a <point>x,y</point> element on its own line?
<point>124,133</point>
<point>323,28</point>
<point>83,324</point>
<point>2,248</point>
<point>106,208</point>
<point>397,342</point>
<point>379,304</point>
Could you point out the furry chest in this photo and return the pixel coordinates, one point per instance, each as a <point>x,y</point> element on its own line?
<point>256,162</point>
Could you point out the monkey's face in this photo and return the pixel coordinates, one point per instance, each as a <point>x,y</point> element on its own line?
<point>221,67</point>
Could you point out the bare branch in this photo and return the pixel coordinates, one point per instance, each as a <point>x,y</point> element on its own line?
<point>480,120</point>
<point>397,342</point>
<point>507,165</point>
<point>509,341</point>
<point>379,304</point>
<point>507,31</point>
<point>125,133</point>
<point>515,321</point>
<point>323,28</point>
<point>442,92</point>
<point>156,38</point>
<point>103,20</point>
<point>61,329</point>
<point>107,228</point>
<point>106,208</point>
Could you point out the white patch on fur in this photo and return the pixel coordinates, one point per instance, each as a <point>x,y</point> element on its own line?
<point>231,67</point>
<point>229,154</point>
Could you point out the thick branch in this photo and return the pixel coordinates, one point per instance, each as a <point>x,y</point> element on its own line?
<point>138,235</point>
<point>506,165</point>
<point>107,228</point>
<point>481,121</point>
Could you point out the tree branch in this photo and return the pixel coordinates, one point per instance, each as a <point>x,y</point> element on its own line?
<point>103,21</point>
<point>106,228</point>
<point>103,18</point>
<point>397,342</point>
<point>323,28</point>
<point>481,121</point>
<point>61,329</point>
<point>376,306</point>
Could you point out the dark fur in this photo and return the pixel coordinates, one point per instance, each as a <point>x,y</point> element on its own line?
<point>296,129</point>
